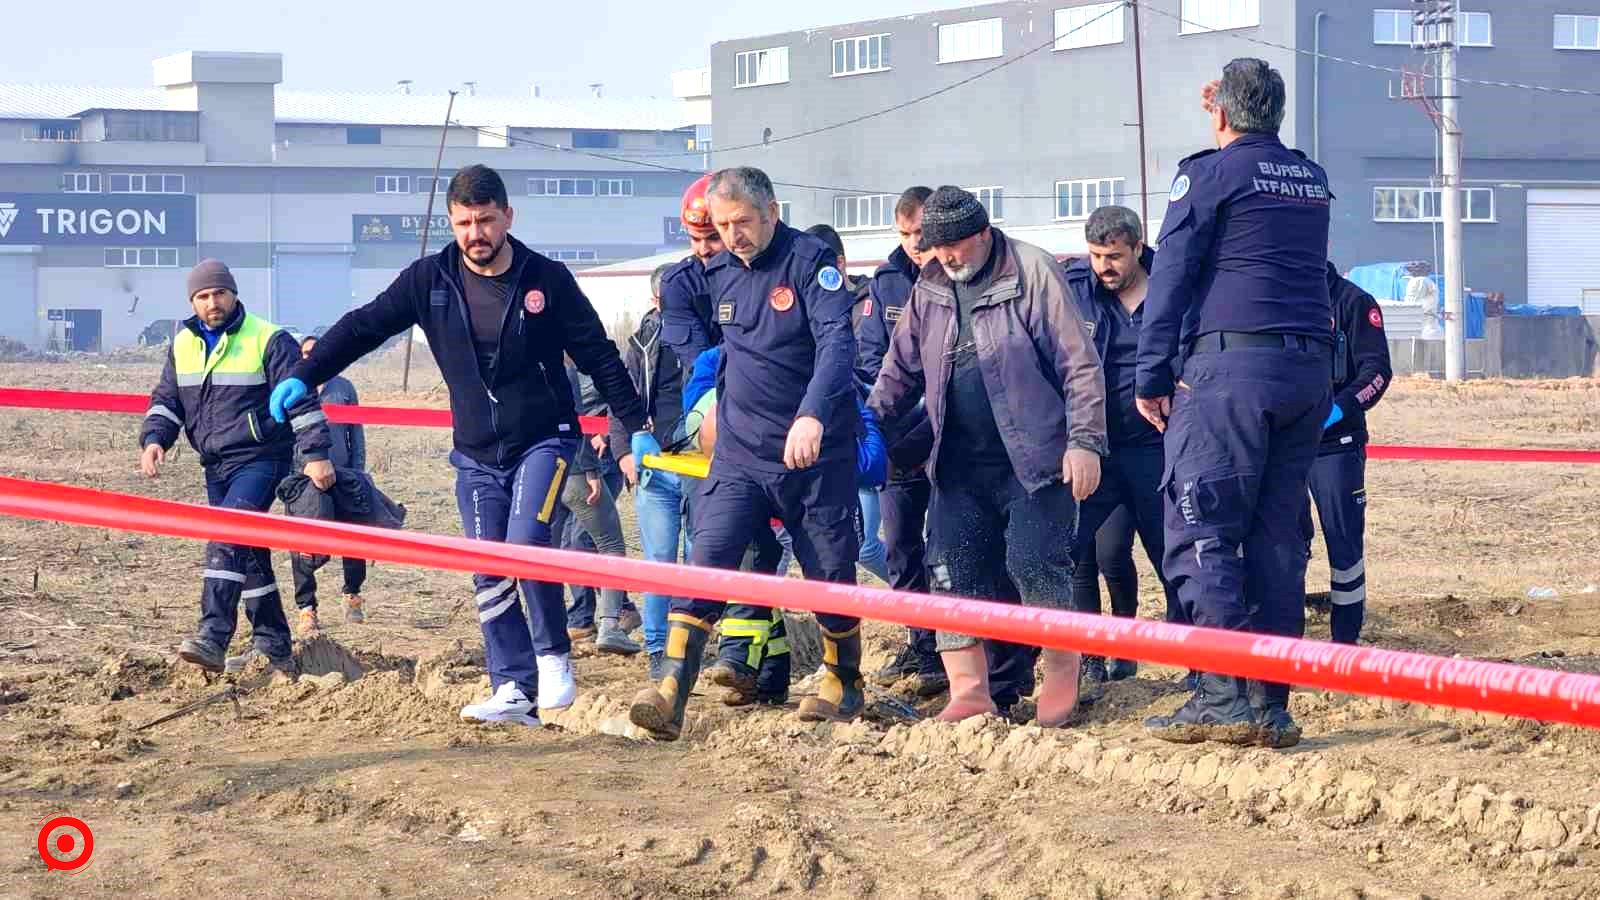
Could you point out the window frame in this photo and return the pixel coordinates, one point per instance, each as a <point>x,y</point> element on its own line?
<point>749,61</point>
<point>1118,190</point>
<point>860,45</point>
<point>997,198</point>
<point>545,183</point>
<point>1186,20</point>
<point>785,208</point>
<point>604,187</point>
<point>883,204</point>
<point>160,258</point>
<point>401,183</point>
<point>144,182</point>
<point>999,42</point>
<point>1403,28</point>
<point>374,130</point>
<point>1575,19</point>
<point>1099,9</point>
<point>87,178</point>
<point>1421,205</point>
<point>1461,28</point>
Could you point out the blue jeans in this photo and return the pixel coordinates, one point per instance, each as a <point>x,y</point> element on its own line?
<point>658,504</point>
<point>234,572</point>
<point>874,556</point>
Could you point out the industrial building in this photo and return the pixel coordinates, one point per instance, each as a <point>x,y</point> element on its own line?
<point>315,199</point>
<point>1046,126</point>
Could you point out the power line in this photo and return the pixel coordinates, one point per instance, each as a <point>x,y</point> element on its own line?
<point>1541,88</point>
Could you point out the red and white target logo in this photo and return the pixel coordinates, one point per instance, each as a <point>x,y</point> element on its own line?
<point>65,844</point>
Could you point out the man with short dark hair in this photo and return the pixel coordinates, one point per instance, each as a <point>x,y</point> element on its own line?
<point>783,450</point>
<point>1014,394</point>
<point>498,318</point>
<point>214,390</point>
<point>1109,287</point>
<point>1238,301</point>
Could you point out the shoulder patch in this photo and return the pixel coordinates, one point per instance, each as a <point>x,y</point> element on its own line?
<point>1180,189</point>
<point>829,278</point>
<point>1375,317</point>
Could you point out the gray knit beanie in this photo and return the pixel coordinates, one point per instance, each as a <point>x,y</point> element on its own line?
<point>951,214</point>
<point>211,273</point>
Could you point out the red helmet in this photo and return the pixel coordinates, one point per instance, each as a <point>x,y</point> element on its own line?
<point>696,215</point>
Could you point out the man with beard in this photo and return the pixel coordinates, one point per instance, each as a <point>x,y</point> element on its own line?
<point>498,319</point>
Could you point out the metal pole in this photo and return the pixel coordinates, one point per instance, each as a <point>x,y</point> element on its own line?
<point>427,220</point>
<point>1138,86</point>
<point>1455,345</point>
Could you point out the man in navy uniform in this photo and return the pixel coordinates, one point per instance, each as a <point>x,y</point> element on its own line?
<point>1240,291</point>
<point>1338,478</point>
<point>688,325</point>
<point>787,421</point>
<point>1110,287</point>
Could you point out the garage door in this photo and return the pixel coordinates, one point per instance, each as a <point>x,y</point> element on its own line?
<point>1563,230</point>
<point>312,289</point>
<point>19,284</point>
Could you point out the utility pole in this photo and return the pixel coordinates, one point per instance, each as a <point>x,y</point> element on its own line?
<point>427,220</point>
<point>1437,22</point>
<point>1138,87</point>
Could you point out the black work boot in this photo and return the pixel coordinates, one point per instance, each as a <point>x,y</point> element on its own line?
<point>1275,728</point>
<point>1123,669</point>
<point>842,694</point>
<point>659,709</point>
<point>203,653</point>
<point>738,678</point>
<point>902,666</point>
<point>1218,711</point>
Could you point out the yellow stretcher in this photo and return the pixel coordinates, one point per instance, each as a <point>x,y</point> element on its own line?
<point>693,464</point>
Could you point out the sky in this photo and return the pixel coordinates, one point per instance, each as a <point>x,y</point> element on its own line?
<point>365,45</point>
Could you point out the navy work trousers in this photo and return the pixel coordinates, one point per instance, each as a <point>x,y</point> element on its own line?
<point>234,572</point>
<point>1130,479</point>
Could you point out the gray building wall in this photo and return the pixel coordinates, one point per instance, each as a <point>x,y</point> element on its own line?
<point>1054,115</point>
<point>1513,139</point>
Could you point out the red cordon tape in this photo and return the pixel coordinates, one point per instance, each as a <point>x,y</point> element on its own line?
<point>90,401</point>
<point>1468,684</point>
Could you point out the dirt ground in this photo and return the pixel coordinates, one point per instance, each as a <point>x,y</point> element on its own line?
<point>361,781</point>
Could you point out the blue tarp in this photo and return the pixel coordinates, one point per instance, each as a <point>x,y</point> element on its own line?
<point>1528,309</point>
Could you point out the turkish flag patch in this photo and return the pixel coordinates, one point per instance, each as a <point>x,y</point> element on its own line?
<point>781,298</point>
<point>533,302</point>
<point>1375,317</point>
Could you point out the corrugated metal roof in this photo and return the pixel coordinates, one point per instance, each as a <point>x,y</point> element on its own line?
<point>58,101</point>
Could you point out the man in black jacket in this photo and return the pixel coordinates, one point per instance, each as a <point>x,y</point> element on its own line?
<point>498,318</point>
<point>1338,477</point>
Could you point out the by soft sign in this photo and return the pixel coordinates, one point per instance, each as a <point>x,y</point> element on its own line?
<point>98,220</point>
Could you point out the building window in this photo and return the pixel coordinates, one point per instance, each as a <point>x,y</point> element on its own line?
<point>1420,204</point>
<point>1077,199</point>
<point>853,56</point>
<point>392,184</point>
<point>1391,26</point>
<point>1200,16</point>
<point>145,183</point>
<point>363,134</point>
<point>151,125</point>
<point>783,210</point>
<point>57,131</point>
<point>141,257</point>
<point>863,213</point>
<point>1094,25</point>
<point>615,187</point>
<point>1578,32</point>
<point>80,182</point>
<point>993,200</point>
<point>1474,29</point>
<point>427,184</point>
<point>757,67</point>
<point>970,40</point>
<point>561,187</point>
<point>573,255</point>
<point>595,140</point>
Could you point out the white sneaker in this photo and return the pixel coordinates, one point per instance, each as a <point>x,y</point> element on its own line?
<point>509,704</point>
<point>557,690</point>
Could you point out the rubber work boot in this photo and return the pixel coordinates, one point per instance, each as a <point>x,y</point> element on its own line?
<point>1218,711</point>
<point>614,640</point>
<point>1123,669</point>
<point>203,653</point>
<point>842,693</point>
<point>659,710</point>
<point>658,666</point>
<point>738,679</point>
<point>968,670</point>
<point>1275,727</point>
<point>902,666</point>
<point>1058,694</point>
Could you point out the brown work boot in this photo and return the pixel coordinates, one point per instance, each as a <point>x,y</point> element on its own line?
<point>842,694</point>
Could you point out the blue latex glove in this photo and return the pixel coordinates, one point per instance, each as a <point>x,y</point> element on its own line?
<point>644,443</point>
<point>1334,416</point>
<point>289,392</point>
